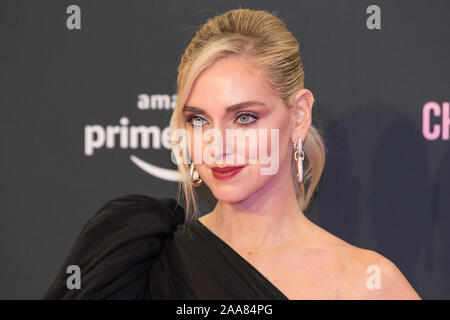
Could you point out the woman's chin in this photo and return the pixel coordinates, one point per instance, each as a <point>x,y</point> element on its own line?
<point>235,195</point>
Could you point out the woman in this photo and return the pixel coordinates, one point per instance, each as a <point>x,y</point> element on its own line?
<point>242,70</point>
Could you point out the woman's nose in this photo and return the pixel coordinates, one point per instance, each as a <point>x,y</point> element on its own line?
<point>221,148</point>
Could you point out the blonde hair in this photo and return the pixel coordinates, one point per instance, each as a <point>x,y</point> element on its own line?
<point>262,39</point>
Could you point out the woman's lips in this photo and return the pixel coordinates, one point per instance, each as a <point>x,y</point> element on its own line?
<point>224,173</point>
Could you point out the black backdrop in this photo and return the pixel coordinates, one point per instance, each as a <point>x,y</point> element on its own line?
<point>386,185</point>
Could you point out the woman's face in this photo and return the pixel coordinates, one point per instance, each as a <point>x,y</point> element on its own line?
<point>227,82</point>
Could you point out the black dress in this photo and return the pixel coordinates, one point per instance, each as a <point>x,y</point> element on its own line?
<point>138,247</point>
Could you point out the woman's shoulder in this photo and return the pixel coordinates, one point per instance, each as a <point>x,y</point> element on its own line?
<point>132,217</point>
<point>363,273</point>
<point>115,248</point>
<point>367,274</point>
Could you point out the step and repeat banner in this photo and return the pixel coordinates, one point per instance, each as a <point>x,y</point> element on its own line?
<point>77,77</point>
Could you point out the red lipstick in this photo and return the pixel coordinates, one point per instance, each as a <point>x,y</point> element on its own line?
<point>225,173</point>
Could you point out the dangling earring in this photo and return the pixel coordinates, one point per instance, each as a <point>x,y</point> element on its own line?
<point>195,177</point>
<point>299,155</point>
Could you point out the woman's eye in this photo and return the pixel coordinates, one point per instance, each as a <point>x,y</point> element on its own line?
<point>196,120</point>
<point>246,119</point>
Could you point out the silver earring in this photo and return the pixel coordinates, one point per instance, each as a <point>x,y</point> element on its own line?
<point>195,177</point>
<point>299,156</point>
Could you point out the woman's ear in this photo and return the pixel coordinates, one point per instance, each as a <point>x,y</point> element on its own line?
<point>302,114</point>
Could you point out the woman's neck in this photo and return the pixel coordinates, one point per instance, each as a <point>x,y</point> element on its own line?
<point>270,217</point>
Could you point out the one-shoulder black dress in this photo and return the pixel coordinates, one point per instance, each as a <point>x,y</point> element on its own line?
<point>137,247</point>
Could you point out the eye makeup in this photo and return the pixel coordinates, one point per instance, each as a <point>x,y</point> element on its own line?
<point>242,119</point>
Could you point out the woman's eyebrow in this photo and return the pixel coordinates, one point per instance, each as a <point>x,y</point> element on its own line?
<point>231,108</point>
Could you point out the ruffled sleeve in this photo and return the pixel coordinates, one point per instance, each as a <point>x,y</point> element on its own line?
<point>115,248</point>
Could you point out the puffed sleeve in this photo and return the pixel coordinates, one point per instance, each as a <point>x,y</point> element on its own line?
<point>114,250</point>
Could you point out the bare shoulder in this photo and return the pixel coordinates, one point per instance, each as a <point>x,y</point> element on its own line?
<point>369,275</point>
<point>361,273</point>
